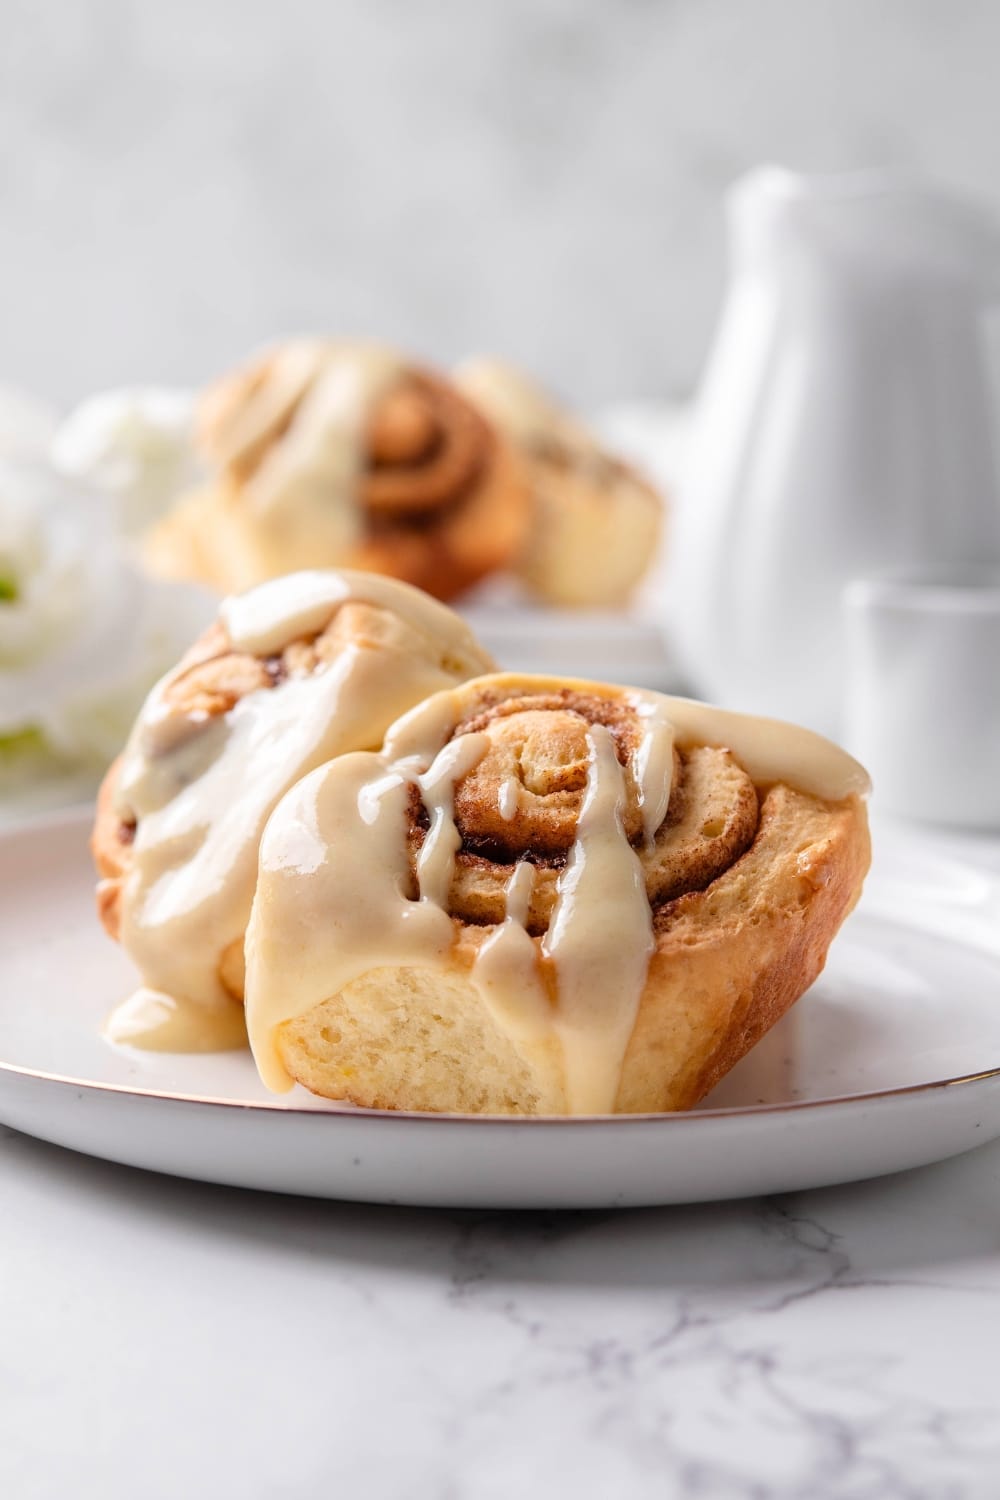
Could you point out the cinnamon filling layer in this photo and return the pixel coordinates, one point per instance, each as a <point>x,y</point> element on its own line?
<point>426,450</point>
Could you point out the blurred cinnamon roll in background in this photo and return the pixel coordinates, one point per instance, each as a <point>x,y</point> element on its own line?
<point>298,670</point>
<point>342,453</point>
<point>596,521</point>
<point>548,897</point>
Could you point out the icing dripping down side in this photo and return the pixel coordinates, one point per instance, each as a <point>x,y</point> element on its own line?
<point>340,850</point>
<point>600,939</point>
<point>156,1022</point>
<point>436,862</point>
<point>654,766</point>
<point>341,905</point>
<point>202,791</point>
<point>506,971</point>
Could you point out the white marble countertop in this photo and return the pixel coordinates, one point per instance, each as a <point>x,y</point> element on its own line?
<point>163,1338</point>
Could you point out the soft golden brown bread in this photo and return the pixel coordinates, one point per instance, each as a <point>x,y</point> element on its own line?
<point>747,884</point>
<point>596,520</point>
<point>326,453</point>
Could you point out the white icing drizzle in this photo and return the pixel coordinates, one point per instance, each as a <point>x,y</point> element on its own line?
<point>770,750</point>
<point>266,400</point>
<point>302,497</point>
<point>600,938</point>
<point>654,765</point>
<point>299,604</point>
<point>342,832</point>
<point>506,971</point>
<point>156,1022</point>
<point>336,898</point>
<point>203,792</point>
<point>436,862</point>
<point>520,889</point>
<point>509,798</point>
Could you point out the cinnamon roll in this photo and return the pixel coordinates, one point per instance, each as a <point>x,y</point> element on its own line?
<point>334,453</point>
<point>595,520</point>
<point>547,897</point>
<point>298,670</point>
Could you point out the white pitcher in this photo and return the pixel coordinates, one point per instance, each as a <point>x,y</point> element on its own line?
<point>845,424</point>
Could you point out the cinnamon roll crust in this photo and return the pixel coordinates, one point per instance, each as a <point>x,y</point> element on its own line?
<point>731,959</point>
<point>745,881</point>
<point>595,520</point>
<point>338,454</point>
<point>722,974</point>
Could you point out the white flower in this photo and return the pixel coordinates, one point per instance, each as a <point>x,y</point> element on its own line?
<point>27,425</point>
<point>83,633</point>
<point>135,445</point>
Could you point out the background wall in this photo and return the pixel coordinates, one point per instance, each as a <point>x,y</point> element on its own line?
<point>181,179</point>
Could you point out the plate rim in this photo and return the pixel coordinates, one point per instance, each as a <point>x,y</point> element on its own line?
<point>357,1112</point>
<point>78,814</point>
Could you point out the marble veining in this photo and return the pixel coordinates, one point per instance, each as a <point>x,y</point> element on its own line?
<point>711,1357</point>
<point>823,1346</point>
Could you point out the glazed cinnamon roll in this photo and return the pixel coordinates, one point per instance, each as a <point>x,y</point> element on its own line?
<point>548,897</point>
<point>298,670</point>
<point>333,453</point>
<point>595,520</point>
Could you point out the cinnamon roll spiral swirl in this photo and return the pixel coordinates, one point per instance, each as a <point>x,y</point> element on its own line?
<point>336,453</point>
<point>548,896</point>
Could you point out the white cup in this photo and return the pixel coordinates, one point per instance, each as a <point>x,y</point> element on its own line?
<point>922,706</point>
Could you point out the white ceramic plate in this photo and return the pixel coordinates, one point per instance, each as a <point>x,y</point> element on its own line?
<point>891,1061</point>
